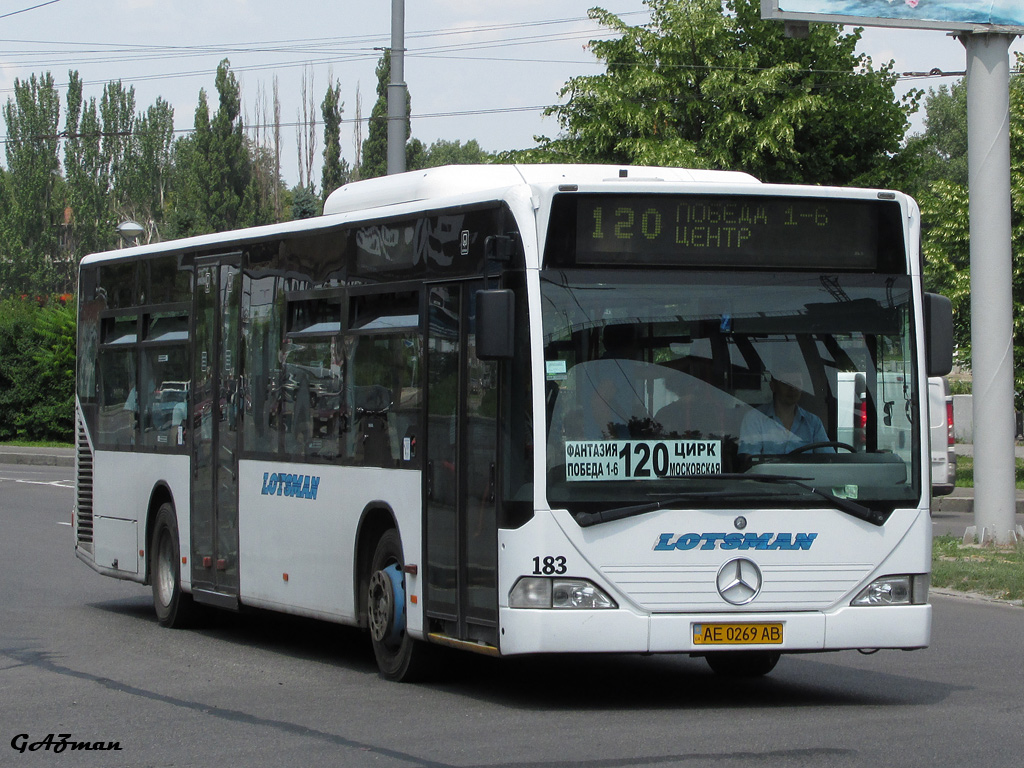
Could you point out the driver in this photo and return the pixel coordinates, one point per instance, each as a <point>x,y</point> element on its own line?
<point>782,425</point>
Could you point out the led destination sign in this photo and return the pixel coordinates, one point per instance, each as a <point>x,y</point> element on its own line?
<point>751,231</point>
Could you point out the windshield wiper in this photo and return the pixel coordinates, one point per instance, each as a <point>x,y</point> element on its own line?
<point>587,519</point>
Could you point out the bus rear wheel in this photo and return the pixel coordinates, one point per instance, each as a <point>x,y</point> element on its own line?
<point>742,663</point>
<point>174,608</point>
<point>399,656</point>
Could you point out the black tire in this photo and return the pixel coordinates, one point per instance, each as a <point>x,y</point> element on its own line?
<point>174,607</point>
<point>742,663</point>
<point>399,657</point>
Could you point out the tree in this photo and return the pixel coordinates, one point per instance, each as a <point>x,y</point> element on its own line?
<point>266,152</point>
<point>37,369</point>
<point>147,178</point>
<point>305,203</point>
<point>375,147</point>
<point>444,152</point>
<point>30,211</point>
<point>711,85</point>
<point>86,199</point>
<point>101,159</point>
<point>336,171</point>
<point>940,153</point>
<point>306,133</point>
<point>215,189</point>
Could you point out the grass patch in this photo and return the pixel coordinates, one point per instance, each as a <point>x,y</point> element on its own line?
<point>35,444</point>
<point>965,472</point>
<point>988,571</point>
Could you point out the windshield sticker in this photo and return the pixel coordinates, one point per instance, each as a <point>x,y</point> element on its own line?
<point>594,460</point>
<point>556,370</point>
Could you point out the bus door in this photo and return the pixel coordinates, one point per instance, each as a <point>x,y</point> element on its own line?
<point>215,432</point>
<point>460,473</point>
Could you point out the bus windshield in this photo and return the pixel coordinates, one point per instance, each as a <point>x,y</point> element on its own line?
<point>670,384</point>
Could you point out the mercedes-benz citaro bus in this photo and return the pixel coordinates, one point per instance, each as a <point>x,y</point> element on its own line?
<point>526,409</point>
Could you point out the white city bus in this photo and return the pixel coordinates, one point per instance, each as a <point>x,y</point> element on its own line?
<point>526,409</point>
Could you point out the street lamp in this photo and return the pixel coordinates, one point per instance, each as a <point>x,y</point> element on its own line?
<point>130,231</point>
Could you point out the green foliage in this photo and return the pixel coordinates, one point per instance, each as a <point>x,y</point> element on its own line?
<point>443,152</point>
<point>215,188</point>
<point>336,171</point>
<point>941,151</point>
<point>707,85</point>
<point>30,213</point>
<point>965,472</point>
<point>305,203</point>
<point>120,164</point>
<point>375,147</point>
<point>37,369</point>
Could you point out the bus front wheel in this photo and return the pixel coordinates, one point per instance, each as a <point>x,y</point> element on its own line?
<point>174,607</point>
<point>399,656</point>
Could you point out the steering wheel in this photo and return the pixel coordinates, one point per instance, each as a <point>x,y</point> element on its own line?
<point>824,444</point>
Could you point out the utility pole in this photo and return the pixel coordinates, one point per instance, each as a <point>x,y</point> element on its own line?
<point>988,160</point>
<point>397,91</point>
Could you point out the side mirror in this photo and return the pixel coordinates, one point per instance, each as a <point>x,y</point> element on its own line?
<point>495,324</point>
<point>938,334</point>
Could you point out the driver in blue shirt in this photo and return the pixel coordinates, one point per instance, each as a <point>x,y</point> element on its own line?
<point>782,425</point>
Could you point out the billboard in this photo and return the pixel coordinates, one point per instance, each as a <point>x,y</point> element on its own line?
<point>974,15</point>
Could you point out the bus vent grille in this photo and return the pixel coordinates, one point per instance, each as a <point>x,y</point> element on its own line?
<point>83,517</point>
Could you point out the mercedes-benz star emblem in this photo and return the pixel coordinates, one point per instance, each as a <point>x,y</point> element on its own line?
<point>739,581</point>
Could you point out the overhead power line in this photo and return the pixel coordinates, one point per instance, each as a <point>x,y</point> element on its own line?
<point>26,10</point>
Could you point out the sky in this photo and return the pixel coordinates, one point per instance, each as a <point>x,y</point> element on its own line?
<point>475,70</point>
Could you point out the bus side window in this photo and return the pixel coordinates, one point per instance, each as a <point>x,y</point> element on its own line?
<point>384,398</point>
<point>311,398</point>
<point>118,399</point>
<point>261,339</point>
<point>163,410</point>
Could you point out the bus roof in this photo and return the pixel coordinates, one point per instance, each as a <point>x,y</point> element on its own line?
<point>450,180</point>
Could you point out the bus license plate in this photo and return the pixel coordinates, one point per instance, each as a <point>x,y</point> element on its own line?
<point>737,634</point>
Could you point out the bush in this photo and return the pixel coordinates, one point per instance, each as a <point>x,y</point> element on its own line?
<point>37,369</point>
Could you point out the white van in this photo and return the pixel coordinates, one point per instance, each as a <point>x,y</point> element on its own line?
<point>940,410</point>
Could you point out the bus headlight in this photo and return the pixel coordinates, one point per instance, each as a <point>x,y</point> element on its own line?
<point>538,592</point>
<point>895,590</point>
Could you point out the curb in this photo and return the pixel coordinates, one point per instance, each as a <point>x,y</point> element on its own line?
<point>40,457</point>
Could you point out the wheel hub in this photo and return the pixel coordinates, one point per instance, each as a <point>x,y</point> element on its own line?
<point>381,606</point>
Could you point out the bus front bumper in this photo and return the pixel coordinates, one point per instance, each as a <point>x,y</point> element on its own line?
<point>621,631</point>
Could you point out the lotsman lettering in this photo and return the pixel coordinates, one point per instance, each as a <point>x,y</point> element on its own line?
<point>755,541</point>
<point>733,541</point>
<point>290,485</point>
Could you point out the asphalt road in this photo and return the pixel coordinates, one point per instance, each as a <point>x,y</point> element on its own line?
<point>83,655</point>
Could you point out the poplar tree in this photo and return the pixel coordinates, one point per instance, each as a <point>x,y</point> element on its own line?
<point>215,188</point>
<point>335,170</point>
<point>30,210</point>
<point>375,147</point>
